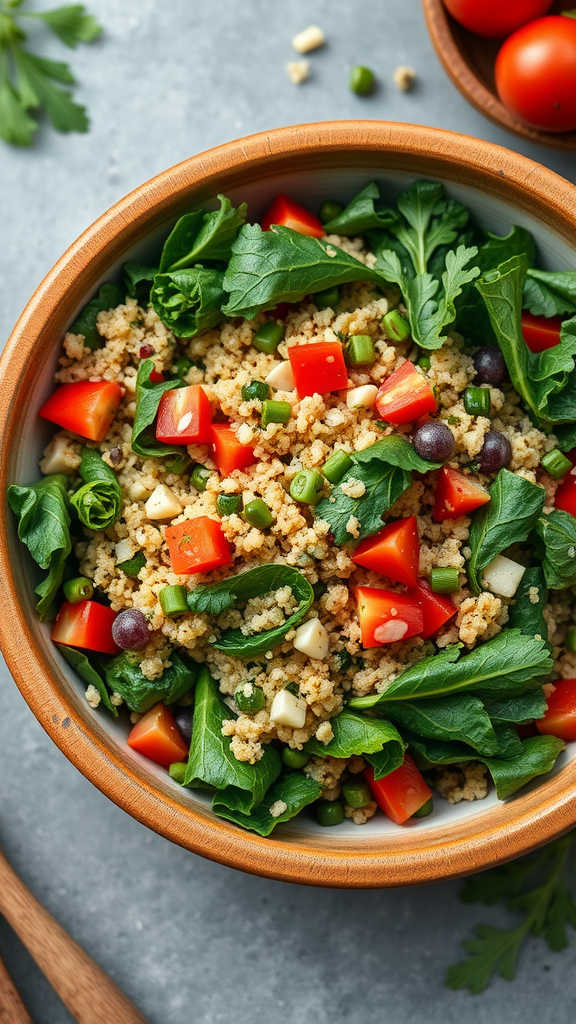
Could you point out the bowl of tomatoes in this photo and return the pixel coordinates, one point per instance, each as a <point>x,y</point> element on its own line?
<point>514,62</point>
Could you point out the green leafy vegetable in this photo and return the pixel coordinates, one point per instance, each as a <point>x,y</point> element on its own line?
<point>540,888</point>
<point>508,518</point>
<point>215,598</point>
<point>98,503</point>
<point>148,395</point>
<point>550,294</point>
<point>203,236</point>
<point>519,710</point>
<point>27,81</point>
<point>281,265</point>
<point>138,279</point>
<point>294,789</point>
<point>109,296</point>
<point>472,316</point>
<point>364,213</point>
<point>507,665</point>
<point>44,527</point>
<point>556,533</point>
<point>526,613</point>
<point>89,674</point>
<point>242,786</point>
<point>189,301</point>
<point>133,565</point>
<point>123,676</point>
<point>460,717</point>
<point>396,451</point>
<point>357,734</point>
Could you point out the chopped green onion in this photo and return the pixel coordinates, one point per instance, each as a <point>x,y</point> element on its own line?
<point>294,758</point>
<point>182,365</point>
<point>336,466</point>
<point>79,589</point>
<point>356,793</point>
<point>571,639</point>
<point>258,514</point>
<point>477,401</point>
<point>329,812</point>
<point>200,476</point>
<point>255,389</point>
<point>275,412</point>
<point>228,504</point>
<point>396,326</point>
<point>327,299</point>
<point>330,209</point>
<point>361,80</point>
<point>424,362</point>
<point>177,771</point>
<point>131,567</point>
<point>268,337</point>
<point>360,350</point>
<point>556,464</point>
<point>173,600</point>
<point>177,463</point>
<point>307,486</point>
<point>425,810</point>
<point>444,580</point>
<point>249,698</point>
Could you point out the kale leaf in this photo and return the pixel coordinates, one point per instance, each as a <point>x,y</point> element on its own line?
<point>109,296</point>
<point>550,294</point>
<point>201,236</point>
<point>526,612</point>
<point>148,395</point>
<point>518,710</point>
<point>460,717</point>
<point>556,536</point>
<point>357,734</point>
<point>138,279</point>
<point>123,676</point>
<point>293,789</point>
<point>188,301</point>
<point>98,503</point>
<point>365,212</point>
<point>88,672</point>
<point>44,527</point>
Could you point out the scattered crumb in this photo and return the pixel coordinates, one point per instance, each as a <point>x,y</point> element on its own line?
<point>404,78</point>
<point>278,808</point>
<point>360,815</point>
<point>92,696</point>
<point>298,71</point>
<point>309,39</point>
<point>463,782</point>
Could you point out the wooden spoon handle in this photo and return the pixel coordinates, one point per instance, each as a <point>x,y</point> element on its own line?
<point>12,1009</point>
<point>84,988</point>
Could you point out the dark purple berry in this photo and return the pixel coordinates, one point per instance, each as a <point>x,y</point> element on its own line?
<point>490,366</point>
<point>115,455</point>
<point>495,453</point>
<point>434,441</point>
<point>146,351</point>
<point>130,630</point>
<point>183,719</point>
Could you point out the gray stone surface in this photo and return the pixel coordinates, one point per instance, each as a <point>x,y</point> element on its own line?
<point>187,939</point>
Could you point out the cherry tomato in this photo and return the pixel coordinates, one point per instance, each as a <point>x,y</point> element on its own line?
<point>405,396</point>
<point>457,495</point>
<point>436,609</point>
<point>495,18</point>
<point>536,74</point>
<point>227,451</point>
<point>156,736</point>
<point>394,551</point>
<point>401,793</point>
<point>184,416</point>
<point>565,497</point>
<point>197,545</point>
<point>560,718</point>
<point>386,617</point>
<point>290,214</point>
<point>540,332</point>
<point>318,368</point>
<point>86,624</point>
<point>86,407</point>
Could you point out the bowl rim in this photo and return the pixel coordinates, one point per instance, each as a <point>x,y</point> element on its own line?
<point>413,856</point>
<point>439,24</point>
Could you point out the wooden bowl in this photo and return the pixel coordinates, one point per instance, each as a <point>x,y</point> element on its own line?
<point>469,61</point>
<point>311,162</point>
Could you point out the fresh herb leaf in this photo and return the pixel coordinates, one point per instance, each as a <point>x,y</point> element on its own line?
<point>281,265</point>
<point>109,296</point>
<point>294,789</point>
<point>357,734</point>
<point>88,673</point>
<point>44,527</point>
<point>556,533</point>
<point>508,518</point>
<point>242,786</point>
<point>123,676</point>
<point>98,503</point>
<point>132,566</point>
<point>507,665</point>
<point>215,598</point>
<point>472,318</point>
<point>138,280</point>
<point>188,301</point>
<point>70,23</point>
<point>550,294</point>
<point>148,395</point>
<point>497,249</point>
<point>396,451</point>
<point>527,614</point>
<point>519,710</point>
<point>203,236</point>
<point>461,717</point>
<point>364,213</point>
<point>386,760</point>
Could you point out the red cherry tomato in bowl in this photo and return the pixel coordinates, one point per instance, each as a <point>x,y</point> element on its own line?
<point>496,18</point>
<point>536,74</point>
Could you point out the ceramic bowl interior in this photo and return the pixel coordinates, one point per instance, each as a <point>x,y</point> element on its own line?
<point>455,839</point>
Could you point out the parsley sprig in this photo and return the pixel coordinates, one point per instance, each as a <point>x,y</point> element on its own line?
<point>542,889</point>
<point>27,80</point>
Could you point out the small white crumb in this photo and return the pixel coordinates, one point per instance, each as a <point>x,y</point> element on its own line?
<point>278,808</point>
<point>534,595</point>
<point>135,717</point>
<point>324,732</point>
<point>245,434</point>
<point>116,699</point>
<point>353,526</point>
<point>391,631</point>
<point>92,696</point>
<point>353,488</point>
<point>309,39</point>
<point>404,78</point>
<point>330,251</point>
<point>298,71</point>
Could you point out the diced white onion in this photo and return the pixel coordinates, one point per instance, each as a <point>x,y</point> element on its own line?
<point>502,576</point>
<point>55,458</point>
<point>281,377</point>
<point>312,639</point>
<point>163,503</point>
<point>124,550</point>
<point>287,709</point>
<point>362,397</point>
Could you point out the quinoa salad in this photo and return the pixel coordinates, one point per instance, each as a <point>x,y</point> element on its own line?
<point>308,524</point>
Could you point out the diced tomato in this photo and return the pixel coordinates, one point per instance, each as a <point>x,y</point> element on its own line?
<point>386,617</point>
<point>86,407</point>
<point>86,624</point>
<point>394,552</point>
<point>184,416</point>
<point>197,545</point>
<point>156,377</point>
<point>401,793</point>
<point>560,718</point>
<point>318,368</point>
<point>405,396</point>
<point>156,736</point>
<point>291,214</point>
<point>540,332</point>
<point>227,451</point>
<point>565,498</point>
<point>457,495</point>
<point>436,609</point>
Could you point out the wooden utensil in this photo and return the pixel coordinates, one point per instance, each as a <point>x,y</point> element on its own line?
<point>83,987</point>
<point>12,1009</point>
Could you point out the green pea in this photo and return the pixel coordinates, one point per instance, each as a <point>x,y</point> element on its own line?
<point>249,698</point>
<point>361,80</point>
<point>258,514</point>
<point>356,793</point>
<point>425,810</point>
<point>329,210</point>
<point>79,589</point>
<point>329,812</point>
<point>294,758</point>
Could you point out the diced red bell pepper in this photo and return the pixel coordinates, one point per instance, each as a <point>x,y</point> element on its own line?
<point>156,377</point>
<point>227,451</point>
<point>386,617</point>
<point>184,416</point>
<point>560,718</point>
<point>156,736</point>
<point>401,793</point>
<point>540,332</point>
<point>86,407</point>
<point>457,495</point>
<point>394,551</point>
<point>197,545</point>
<point>86,624</point>
<point>318,368</point>
<point>405,396</point>
<point>565,497</point>
<point>436,609</point>
<point>290,214</point>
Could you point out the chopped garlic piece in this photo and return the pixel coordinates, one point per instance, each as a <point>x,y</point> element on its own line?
<point>362,397</point>
<point>312,639</point>
<point>281,377</point>
<point>502,576</point>
<point>163,503</point>
<point>309,39</point>
<point>287,709</point>
<point>404,78</point>
<point>298,71</point>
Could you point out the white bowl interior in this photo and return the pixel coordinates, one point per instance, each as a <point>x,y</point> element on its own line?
<point>311,188</point>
